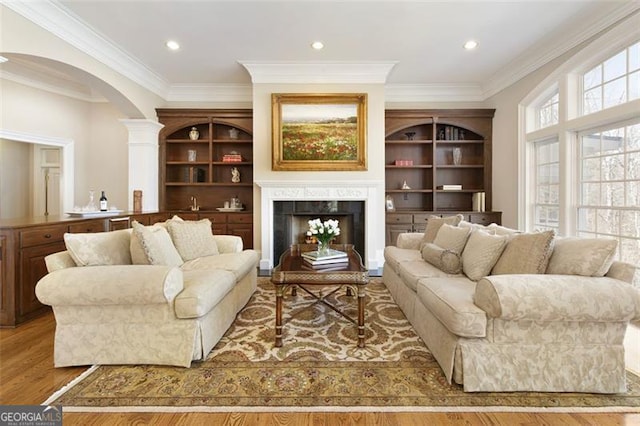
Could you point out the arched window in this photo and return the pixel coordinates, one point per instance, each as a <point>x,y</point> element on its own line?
<point>581,145</point>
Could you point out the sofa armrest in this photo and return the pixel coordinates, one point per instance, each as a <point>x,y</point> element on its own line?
<point>556,298</point>
<point>60,260</point>
<point>622,271</point>
<point>410,240</point>
<point>110,285</point>
<point>228,243</point>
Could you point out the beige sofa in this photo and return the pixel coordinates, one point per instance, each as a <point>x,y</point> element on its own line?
<point>557,326</point>
<point>147,296</point>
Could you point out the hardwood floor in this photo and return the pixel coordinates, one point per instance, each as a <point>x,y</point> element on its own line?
<point>27,376</point>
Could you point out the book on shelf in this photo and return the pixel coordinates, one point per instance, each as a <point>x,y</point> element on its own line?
<point>330,254</point>
<point>326,262</point>
<point>231,158</point>
<point>450,187</point>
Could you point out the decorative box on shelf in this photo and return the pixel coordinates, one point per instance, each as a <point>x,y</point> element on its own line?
<point>232,158</point>
<point>403,163</point>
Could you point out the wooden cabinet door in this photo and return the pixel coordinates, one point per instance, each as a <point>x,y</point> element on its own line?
<point>392,232</point>
<point>32,268</point>
<point>244,231</point>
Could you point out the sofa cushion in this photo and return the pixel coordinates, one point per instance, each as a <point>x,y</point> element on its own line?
<point>192,238</point>
<point>157,245</point>
<point>481,253</point>
<point>452,238</point>
<point>451,301</point>
<point>203,290</point>
<point>394,256</point>
<point>525,254</point>
<point>446,260</point>
<point>237,263</point>
<point>589,257</point>
<point>433,226</point>
<point>496,229</point>
<point>412,271</point>
<point>100,248</point>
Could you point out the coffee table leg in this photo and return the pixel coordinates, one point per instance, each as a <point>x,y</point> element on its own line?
<point>360,317</point>
<point>279,291</point>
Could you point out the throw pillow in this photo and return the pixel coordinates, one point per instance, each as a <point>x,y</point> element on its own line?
<point>193,238</point>
<point>157,245</point>
<point>481,253</point>
<point>433,226</point>
<point>588,257</point>
<point>100,248</point>
<point>452,238</point>
<point>446,260</point>
<point>526,254</point>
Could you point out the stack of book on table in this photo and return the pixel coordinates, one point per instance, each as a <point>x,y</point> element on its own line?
<point>333,259</point>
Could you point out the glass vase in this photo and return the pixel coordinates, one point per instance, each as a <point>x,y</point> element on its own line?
<point>323,248</point>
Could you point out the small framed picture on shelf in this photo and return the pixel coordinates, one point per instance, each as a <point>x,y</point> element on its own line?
<point>389,204</point>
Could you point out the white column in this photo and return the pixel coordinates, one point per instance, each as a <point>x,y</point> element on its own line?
<point>143,161</point>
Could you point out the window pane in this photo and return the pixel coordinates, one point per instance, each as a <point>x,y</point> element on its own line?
<point>615,92</point>
<point>591,194</point>
<point>613,141</point>
<point>633,172</point>
<point>554,197</point>
<point>612,194</point>
<point>613,167</point>
<point>615,66</point>
<point>593,100</point>
<point>554,173</point>
<point>587,219</point>
<point>630,251</point>
<point>634,57</point>
<point>634,85</point>
<point>633,194</point>
<point>591,145</point>
<point>542,153</point>
<point>591,169</point>
<point>593,78</point>
<point>608,221</point>
<point>633,137</point>
<point>631,223</point>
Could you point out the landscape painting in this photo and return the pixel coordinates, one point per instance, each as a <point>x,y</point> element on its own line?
<point>319,132</point>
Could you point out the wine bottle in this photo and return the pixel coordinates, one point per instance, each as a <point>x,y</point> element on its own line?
<point>103,202</point>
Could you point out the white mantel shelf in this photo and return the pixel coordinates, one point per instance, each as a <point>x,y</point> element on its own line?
<point>369,191</point>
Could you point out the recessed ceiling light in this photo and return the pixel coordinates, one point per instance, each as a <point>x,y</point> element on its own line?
<point>173,45</point>
<point>318,45</point>
<point>471,44</point>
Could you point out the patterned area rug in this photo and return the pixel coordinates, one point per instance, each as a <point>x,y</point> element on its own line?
<point>319,367</point>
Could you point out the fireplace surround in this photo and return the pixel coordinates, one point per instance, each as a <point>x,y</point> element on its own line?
<point>370,226</point>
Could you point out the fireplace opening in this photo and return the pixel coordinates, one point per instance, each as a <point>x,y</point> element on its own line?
<point>290,222</point>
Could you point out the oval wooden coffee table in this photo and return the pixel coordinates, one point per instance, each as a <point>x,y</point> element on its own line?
<point>293,272</point>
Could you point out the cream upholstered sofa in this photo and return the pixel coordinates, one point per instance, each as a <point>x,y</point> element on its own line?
<point>162,294</point>
<point>507,311</point>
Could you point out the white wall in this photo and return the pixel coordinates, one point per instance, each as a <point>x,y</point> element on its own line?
<point>15,182</point>
<point>100,139</point>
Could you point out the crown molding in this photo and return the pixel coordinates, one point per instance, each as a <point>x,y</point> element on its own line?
<point>540,54</point>
<point>58,89</point>
<point>55,18</point>
<point>219,93</point>
<point>32,138</point>
<point>318,72</point>
<point>464,92</point>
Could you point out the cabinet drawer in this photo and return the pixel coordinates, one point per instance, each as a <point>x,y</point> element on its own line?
<point>240,218</point>
<point>422,219</point>
<point>484,218</point>
<point>42,235</point>
<point>91,226</point>
<point>399,218</point>
<point>119,223</point>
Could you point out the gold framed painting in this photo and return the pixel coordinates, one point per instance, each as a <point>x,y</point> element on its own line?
<point>319,131</point>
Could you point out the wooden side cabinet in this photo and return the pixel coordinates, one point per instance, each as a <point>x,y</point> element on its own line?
<point>398,223</point>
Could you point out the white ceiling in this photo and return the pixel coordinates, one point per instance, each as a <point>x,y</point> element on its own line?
<point>424,38</point>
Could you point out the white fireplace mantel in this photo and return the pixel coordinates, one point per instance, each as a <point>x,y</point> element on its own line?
<point>370,191</point>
